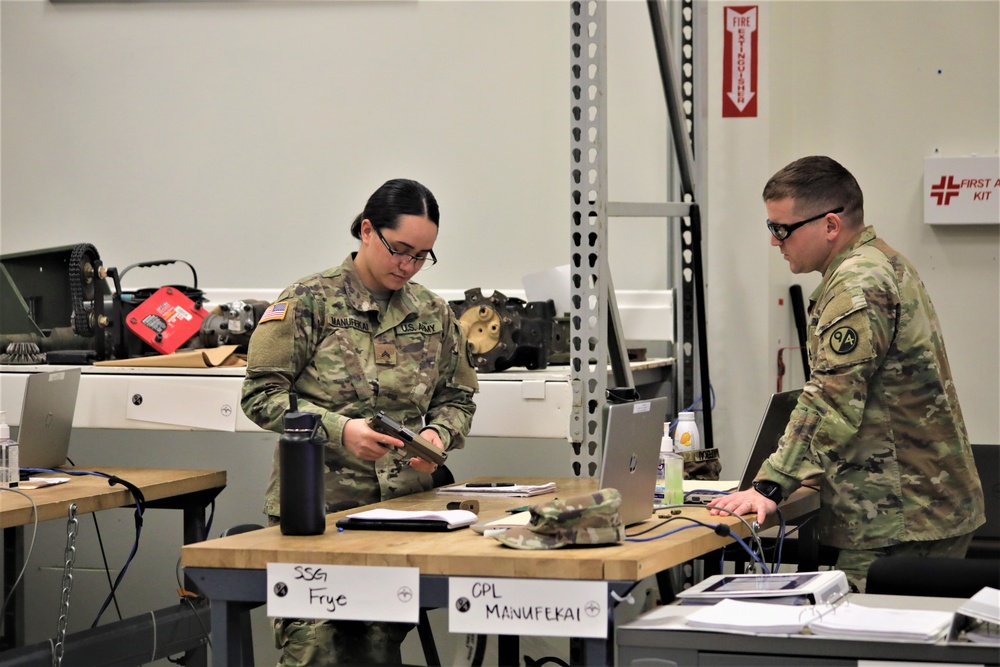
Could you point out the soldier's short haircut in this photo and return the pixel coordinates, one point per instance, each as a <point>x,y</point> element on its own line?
<point>818,183</point>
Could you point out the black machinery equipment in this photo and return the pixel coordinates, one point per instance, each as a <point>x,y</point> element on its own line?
<point>507,331</point>
<point>64,305</point>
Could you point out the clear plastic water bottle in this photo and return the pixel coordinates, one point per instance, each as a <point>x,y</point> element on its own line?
<point>301,466</point>
<point>687,438</point>
<point>666,447</point>
<point>669,488</point>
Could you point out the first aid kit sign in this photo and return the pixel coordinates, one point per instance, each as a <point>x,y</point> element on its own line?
<point>962,190</point>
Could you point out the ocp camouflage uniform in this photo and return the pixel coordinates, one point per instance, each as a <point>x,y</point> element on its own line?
<point>879,417</point>
<point>590,519</point>
<point>344,360</point>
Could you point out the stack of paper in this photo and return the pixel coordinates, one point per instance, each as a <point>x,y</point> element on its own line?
<point>752,617</point>
<point>508,489</point>
<point>849,621</point>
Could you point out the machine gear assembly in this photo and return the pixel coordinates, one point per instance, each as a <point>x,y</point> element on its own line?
<point>505,331</point>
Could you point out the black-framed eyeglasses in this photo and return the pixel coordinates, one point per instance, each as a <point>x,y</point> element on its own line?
<point>419,261</point>
<point>782,232</point>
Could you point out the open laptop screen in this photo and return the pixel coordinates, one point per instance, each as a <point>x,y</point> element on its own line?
<point>632,433</point>
<point>772,427</point>
<point>47,418</point>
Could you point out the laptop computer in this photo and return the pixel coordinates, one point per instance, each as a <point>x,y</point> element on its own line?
<point>47,418</point>
<point>772,427</point>
<point>632,434</point>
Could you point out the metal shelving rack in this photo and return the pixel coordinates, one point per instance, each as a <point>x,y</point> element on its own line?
<point>595,333</point>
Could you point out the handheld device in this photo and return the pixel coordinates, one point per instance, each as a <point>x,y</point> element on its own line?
<point>413,443</point>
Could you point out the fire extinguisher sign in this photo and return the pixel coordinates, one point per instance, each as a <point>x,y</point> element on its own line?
<point>739,75</point>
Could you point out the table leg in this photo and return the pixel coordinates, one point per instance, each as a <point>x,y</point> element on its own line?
<point>508,650</point>
<point>13,563</point>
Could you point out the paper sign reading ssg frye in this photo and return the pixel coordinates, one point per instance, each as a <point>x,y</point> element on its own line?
<point>537,607</point>
<point>345,592</point>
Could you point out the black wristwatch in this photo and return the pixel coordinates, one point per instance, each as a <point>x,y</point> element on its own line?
<point>768,489</point>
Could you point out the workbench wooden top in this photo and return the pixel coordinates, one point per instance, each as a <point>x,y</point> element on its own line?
<point>93,493</point>
<point>466,553</point>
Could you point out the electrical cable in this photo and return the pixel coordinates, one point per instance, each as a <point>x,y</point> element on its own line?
<point>104,555</point>
<point>753,533</point>
<point>152,615</point>
<point>780,546</point>
<point>693,407</point>
<point>104,559</point>
<point>27,558</point>
<point>211,518</point>
<point>204,630</point>
<point>139,501</point>
<point>721,529</point>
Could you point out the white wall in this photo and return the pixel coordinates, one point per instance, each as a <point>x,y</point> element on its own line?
<point>244,137</point>
<point>878,86</point>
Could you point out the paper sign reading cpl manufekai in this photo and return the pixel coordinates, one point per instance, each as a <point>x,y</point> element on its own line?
<point>535,607</point>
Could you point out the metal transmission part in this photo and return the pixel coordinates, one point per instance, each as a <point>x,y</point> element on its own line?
<point>505,331</point>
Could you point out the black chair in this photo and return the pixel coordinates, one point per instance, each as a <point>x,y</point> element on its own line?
<point>932,576</point>
<point>986,539</point>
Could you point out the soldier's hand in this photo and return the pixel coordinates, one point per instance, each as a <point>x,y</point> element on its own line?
<point>432,436</point>
<point>367,444</point>
<point>743,502</point>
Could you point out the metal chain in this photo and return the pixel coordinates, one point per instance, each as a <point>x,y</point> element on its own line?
<point>69,560</point>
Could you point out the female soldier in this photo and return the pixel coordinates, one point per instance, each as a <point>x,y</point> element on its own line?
<point>351,341</point>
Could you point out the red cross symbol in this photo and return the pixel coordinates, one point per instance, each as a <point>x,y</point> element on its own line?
<point>945,191</point>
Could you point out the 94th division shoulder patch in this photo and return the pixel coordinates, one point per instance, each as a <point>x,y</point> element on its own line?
<point>843,340</point>
<point>276,311</point>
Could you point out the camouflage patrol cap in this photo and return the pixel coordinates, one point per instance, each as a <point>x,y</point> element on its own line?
<point>580,520</point>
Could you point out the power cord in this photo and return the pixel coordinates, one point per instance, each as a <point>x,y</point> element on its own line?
<point>104,559</point>
<point>721,529</point>
<point>31,546</point>
<point>693,408</point>
<point>139,501</point>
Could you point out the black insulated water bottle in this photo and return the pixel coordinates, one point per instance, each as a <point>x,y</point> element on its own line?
<point>300,455</point>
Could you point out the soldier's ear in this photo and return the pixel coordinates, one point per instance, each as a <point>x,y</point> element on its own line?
<point>834,225</point>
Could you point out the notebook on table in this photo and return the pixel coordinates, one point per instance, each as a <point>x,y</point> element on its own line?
<point>632,434</point>
<point>47,418</point>
<point>386,519</point>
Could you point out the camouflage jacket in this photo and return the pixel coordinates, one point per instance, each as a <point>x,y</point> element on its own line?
<point>879,417</point>
<point>344,361</point>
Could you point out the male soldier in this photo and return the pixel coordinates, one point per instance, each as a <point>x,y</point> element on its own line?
<point>878,419</point>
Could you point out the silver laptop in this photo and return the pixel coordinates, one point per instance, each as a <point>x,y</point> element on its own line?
<point>632,433</point>
<point>772,427</point>
<point>47,418</point>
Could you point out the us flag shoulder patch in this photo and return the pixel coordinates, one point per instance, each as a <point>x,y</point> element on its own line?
<point>276,311</point>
